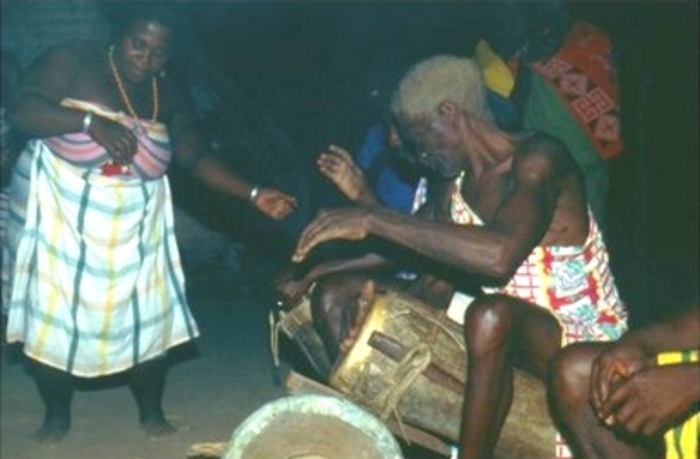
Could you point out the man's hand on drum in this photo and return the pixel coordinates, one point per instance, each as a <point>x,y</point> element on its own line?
<point>349,224</point>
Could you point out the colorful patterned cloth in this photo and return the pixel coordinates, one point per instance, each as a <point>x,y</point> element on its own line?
<point>582,74</point>
<point>18,196</point>
<point>98,284</point>
<point>152,156</point>
<point>681,441</point>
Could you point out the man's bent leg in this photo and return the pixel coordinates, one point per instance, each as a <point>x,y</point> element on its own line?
<point>588,437</point>
<point>56,390</point>
<point>339,303</point>
<point>147,384</point>
<point>333,303</point>
<point>500,332</point>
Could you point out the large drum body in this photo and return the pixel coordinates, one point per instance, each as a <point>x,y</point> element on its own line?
<point>409,363</point>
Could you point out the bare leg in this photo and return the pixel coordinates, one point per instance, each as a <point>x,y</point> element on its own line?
<point>147,384</point>
<point>336,303</point>
<point>341,301</point>
<point>500,332</point>
<point>587,436</point>
<point>363,303</point>
<point>56,391</point>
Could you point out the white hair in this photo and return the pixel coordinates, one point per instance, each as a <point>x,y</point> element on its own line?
<point>438,79</point>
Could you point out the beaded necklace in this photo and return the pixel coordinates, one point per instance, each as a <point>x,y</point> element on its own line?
<point>125,97</point>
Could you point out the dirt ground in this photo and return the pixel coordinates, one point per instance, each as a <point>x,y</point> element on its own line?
<point>211,388</point>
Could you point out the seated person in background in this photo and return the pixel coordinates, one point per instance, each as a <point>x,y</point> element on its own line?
<point>617,399</point>
<point>515,216</point>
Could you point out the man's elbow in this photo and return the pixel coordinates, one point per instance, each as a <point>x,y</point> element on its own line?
<point>503,266</point>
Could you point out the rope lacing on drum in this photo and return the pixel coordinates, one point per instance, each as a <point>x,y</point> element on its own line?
<point>404,375</point>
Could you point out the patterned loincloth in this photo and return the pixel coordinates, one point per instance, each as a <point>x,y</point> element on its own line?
<point>574,282</point>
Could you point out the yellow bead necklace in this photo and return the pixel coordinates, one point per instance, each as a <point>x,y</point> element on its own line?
<point>125,96</point>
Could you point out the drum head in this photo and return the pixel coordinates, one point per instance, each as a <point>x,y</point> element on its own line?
<point>312,427</point>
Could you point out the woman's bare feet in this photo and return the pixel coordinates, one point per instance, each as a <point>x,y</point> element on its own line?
<point>53,430</point>
<point>157,426</point>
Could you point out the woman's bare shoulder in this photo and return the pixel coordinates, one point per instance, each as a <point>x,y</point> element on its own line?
<point>77,53</point>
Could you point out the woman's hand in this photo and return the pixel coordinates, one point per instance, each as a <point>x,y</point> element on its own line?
<point>119,141</point>
<point>274,203</point>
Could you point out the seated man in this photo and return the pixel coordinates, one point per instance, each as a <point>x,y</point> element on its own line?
<point>519,220</point>
<point>616,400</point>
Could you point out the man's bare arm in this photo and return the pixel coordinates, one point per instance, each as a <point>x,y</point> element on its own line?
<point>679,332</point>
<point>494,250</point>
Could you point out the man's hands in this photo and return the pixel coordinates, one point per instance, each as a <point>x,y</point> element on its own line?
<point>619,362</point>
<point>630,391</point>
<point>650,401</point>
<point>338,166</point>
<point>274,203</point>
<point>349,224</point>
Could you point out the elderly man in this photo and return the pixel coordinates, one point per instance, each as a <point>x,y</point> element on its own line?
<point>519,220</point>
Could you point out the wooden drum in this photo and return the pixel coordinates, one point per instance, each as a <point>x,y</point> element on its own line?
<point>409,363</point>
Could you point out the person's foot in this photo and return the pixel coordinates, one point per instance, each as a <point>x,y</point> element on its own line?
<point>363,304</point>
<point>53,430</point>
<point>157,426</point>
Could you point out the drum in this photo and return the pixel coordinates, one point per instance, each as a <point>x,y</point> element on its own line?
<point>409,363</point>
<point>312,427</point>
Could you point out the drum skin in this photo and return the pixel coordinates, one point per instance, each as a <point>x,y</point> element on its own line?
<point>312,427</point>
<point>409,362</point>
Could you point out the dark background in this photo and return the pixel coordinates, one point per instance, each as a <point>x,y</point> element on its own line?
<point>276,81</point>
<point>310,66</point>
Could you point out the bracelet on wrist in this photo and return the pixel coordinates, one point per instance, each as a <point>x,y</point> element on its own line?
<point>254,192</point>
<point>87,121</point>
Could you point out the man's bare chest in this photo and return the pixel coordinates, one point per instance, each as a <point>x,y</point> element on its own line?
<point>486,196</point>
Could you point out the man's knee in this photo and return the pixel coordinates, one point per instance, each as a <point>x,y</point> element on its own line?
<point>571,373</point>
<point>487,323</point>
<point>332,293</point>
<point>324,296</point>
